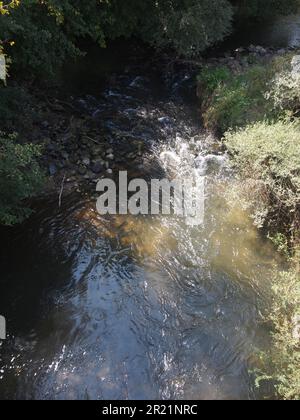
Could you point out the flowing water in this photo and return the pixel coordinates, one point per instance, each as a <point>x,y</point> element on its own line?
<point>124,307</point>
<point>280,32</point>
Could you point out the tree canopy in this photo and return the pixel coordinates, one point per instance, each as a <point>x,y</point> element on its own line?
<point>40,34</point>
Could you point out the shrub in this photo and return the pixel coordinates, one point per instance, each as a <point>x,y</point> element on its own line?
<point>235,99</point>
<point>268,160</point>
<point>211,79</point>
<point>14,107</point>
<point>6,6</point>
<point>191,26</point>
<point>238,99</point>
<point>285,92</point>
<point>281,364</point>
<point>258,9</point>
<point>46,33</point>
<point>20,178</point>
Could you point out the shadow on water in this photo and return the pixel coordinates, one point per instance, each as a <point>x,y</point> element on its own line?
<point>281,32</point>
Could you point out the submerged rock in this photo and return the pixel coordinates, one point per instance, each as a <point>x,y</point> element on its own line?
<point>82,170</point>
<point>86,161</point>
<point>52,169</point>
<point>97,167</point>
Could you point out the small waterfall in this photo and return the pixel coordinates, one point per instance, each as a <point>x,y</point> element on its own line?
<point>187,162</point>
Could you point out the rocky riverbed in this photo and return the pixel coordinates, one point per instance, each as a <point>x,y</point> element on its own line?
<point>83,140</point>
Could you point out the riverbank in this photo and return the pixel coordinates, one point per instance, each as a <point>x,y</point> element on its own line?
<point>252,102</point>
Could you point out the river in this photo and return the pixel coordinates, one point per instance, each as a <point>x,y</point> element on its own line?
<point>280,32</point>
<point>126,307</point>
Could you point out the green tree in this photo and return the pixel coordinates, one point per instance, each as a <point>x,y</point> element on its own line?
<point>20,178</point>
<point>45,33</point>
<point>260,9</point>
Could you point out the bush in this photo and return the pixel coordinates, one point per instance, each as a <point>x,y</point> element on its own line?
<point>238,99</point>
<point>285,92</point>
<point>191,26</point>
<point>268,160</point>
<point>46,33</point>
<point>20,178</point>
<point>41,35</point>
<point>235,99</point>
<point>259,9</point>
<point>281,364</point>
<point>14,107</point>
<point>211,79</point>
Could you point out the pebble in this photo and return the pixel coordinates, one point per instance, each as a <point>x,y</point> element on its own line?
<point>97,167</point>
<point>65,155</point>
<point>52,169</point>
<point>82,170</point>
<point>86,161</point>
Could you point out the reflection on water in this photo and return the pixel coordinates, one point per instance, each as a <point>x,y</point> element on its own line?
<point>281,32</point>
<point>284,32</point>
<point>136,307</point>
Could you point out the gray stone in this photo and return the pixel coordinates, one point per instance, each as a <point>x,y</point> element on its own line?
<point>165,120</point>
<point>97,167</point>
<point>86,161</point>
<point>257,49</point>
<point>65,155</point>
<point>282,51</point>
<point>52,169</point>
<point>82,170</point>
<point>45,124</point>
<point>51,147</point>
<point>261,50</point>
<point>89,176</point>
<point>97,150</point>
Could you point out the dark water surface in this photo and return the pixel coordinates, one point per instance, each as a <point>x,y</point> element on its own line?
<point>281,32</point>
